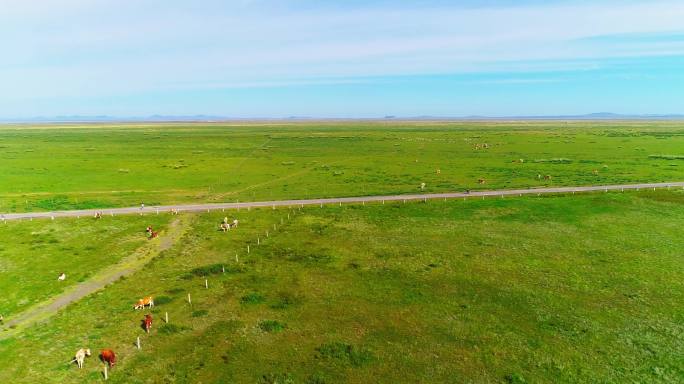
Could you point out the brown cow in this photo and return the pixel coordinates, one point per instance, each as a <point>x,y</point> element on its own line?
<point>142,303</point>
<point>547,177</point>
<point>481,181</point>
<point>108,357</point>
<point>148,323</point>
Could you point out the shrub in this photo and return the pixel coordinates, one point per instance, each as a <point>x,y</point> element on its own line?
<point>277,378</point>
<point>213,269</point>
<point>273,326</point>
<point>515,378</point>
<point>161,300</point>
<point>340,351</point>
<point>252,298</point>
<point>200,313</point>
<point>286,300</point>
<point>170,328</point>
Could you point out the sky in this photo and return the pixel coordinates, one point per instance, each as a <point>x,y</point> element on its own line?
<point>344,58</point>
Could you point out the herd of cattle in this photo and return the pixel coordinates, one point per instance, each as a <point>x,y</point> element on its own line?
<point>108,356</point>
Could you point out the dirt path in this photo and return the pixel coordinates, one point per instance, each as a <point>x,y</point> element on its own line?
<point>336,200</point>
<point>126,266</point>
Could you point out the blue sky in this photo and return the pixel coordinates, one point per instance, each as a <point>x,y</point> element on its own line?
<point>346,58</point>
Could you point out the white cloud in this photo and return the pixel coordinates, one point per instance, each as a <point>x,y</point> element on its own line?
<point>78,47</point>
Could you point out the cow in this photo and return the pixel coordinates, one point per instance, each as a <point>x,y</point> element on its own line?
<point>147,323</point>
<point>80,356</point>
<point>142,303</point>
<point>61,277</point>
<point>151,234</point>
<point>547,177</point>
<point>224,227</point>
<point>98,215</point>
<point>108,357</point>
<point>481,181</point>
<point>234,224</point>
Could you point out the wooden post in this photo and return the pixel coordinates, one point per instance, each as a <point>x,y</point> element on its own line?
<point>206,283</point>
<point>157,211</point>
<point>258,241</point>
<point>105,372</point>
<point>383,202</point>
<point>247,248</point>
<point>266,233</point>
<point>288,216</point>
<point>236,256</point>
<point>321,205</point>
<point>223,269</point>
<point>274,207</point>
<point>137,342</point>
<point>166,317</point>
<point>189,300</point>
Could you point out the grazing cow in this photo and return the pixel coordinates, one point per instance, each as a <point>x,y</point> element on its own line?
<point>234,224</point>
<point>98,215</point>
<point>147,323</point>
<point>80,356</point>
<point>61,277</point>
<point>142,303</point>
<point>151,234</point>
<point>108,357</point>
<point>422,186</point>
<point>439,171</point>
<point>224,227</point>
<point>547,177</point>
<point>481,181</point>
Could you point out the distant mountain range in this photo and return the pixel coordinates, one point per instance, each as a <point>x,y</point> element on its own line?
<point>212,118</point>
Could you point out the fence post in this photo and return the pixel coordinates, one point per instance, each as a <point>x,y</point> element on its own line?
<point>189,300</point>
<point>105,372</point>
<point>137,342</point>
<point>166,317</point>
<point>206,283</point>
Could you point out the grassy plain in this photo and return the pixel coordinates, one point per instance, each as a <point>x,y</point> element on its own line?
<point>558,289</point>
<point>34,253</point>
<point>63,167</point>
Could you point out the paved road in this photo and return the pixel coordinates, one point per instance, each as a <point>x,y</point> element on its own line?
<point>336,200</point>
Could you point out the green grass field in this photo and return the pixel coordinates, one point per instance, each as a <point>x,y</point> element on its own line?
<point>582,288</point>
<point>48,167</point>
<point>34,253</point>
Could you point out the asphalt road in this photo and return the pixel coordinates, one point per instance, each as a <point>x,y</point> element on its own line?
<point>336,200</point>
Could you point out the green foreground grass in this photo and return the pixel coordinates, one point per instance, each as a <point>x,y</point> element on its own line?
<point>94,166</point>
<point>34,253</point>
<point>559,289</point>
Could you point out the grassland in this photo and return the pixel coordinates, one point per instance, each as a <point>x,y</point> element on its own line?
<point>565,289</point>
<point>555,289</point>
<point>47,167</point>
<point>34,253</point>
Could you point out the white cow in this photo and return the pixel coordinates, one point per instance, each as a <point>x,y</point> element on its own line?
<point>80,356</point>
<point>62,277</point>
